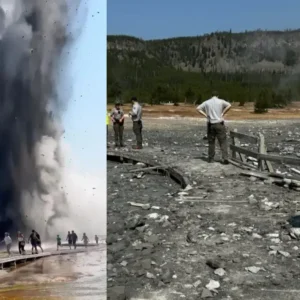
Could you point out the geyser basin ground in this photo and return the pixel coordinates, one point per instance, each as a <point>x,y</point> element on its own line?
<point>150,254</point>
<point>73,276</point>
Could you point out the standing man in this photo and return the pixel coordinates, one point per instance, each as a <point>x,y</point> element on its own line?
<point>214,110</point>
<point>117,117</point>
<point>136,117</point>
<point>69,239</point>
<point>39,242</point>
<point>33,239</point>
<point>74,238</point>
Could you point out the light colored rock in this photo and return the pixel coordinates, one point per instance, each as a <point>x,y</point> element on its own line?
<point>124,263</point>
<point>220,272</point>
<point>213,285</point>
<point>256,236</point>
<point>150,275</point>
<point>253,269</point>
<point>284,253</point>
<point>197,283</point>
<point>141,205</point>
<point>153,216</point>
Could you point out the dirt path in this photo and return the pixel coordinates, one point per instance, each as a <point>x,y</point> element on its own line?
<point>228,225</point>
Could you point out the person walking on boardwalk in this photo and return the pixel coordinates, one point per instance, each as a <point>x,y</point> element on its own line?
<point>33,239</point>
<point>85,240</point>
<point>69,239</point>
<point>117,118</point>
<point>74,238</point>
<point>8,241</point>
<point>136,117</point>
<point>97,239</point>
<point>39,242</point>
<point>58,241</point>
<point>214,110</point>
<point>21,242</point>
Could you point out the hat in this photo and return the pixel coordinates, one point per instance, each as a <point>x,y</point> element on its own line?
<point>133,99</point>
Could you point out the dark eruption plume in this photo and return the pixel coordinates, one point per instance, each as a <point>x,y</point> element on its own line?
<point>33,34</point>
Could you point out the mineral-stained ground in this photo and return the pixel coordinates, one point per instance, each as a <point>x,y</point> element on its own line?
<point>225,238</point>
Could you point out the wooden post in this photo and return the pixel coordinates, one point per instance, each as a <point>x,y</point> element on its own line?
<point>242,156</point>
<point>262,164</point>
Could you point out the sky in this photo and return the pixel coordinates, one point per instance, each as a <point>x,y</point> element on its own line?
<point>84,120</point>
<point>84,143</point>
<point>172,18</point>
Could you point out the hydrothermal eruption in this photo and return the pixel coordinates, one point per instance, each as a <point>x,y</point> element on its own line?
<point>33,35</point>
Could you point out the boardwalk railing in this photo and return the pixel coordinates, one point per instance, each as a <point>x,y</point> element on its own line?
<point>260,155</point>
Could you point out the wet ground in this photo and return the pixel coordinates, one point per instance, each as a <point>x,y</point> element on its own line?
<point>225,238</point>
<point>79,276</point>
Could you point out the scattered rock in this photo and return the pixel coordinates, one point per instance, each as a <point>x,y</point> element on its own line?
<point>253,269</point>
<point>206,294</point>
<point>143,206</point>
<point>220,272</point>
<point>134,222</point>
<point>213,285</point>
<point>214,263</point>
<point>284,253</point>
<point>197,283</point>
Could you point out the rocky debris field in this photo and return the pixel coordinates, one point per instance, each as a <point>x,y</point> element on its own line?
<point>224,236</point>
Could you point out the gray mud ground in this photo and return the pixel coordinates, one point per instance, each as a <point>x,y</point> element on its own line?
<point>172,249</point>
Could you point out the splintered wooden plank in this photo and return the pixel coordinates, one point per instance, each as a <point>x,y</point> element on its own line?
<point>245,151</point>
<point>244,137</point>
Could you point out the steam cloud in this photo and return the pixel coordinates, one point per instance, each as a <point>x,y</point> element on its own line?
<point>33,35</point>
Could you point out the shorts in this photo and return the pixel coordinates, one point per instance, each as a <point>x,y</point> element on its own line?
<point>58,243</point>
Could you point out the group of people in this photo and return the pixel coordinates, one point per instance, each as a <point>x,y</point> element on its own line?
<point>213,109</point>
<point>117,117</point>
<point>72,240</point>
<point>34,239</point>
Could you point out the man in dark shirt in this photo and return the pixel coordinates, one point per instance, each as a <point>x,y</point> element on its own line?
<point>69,239</point>
<point>74,239</point>
<point>39,242</point>
<point>33,239</point>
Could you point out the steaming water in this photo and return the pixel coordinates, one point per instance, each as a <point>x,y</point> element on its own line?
<point>75,276</point>
<point>34,42</point>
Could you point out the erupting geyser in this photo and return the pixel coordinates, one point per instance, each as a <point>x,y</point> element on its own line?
<point>33,34</point>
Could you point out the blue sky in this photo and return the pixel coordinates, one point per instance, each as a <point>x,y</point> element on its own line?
<point>84,120</point>
<point>169,18</point>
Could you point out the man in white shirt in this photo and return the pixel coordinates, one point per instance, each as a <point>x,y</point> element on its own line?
<point>7,240</point>
<point>214,109</point>
<point>136,117</point>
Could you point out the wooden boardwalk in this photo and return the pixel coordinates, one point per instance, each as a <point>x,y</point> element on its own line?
<point>81,245</point>
<point>17,259</point>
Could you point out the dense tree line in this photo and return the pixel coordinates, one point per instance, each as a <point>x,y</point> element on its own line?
<point>153,83</point>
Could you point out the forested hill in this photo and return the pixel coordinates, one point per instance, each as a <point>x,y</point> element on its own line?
<point>140,66</point>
